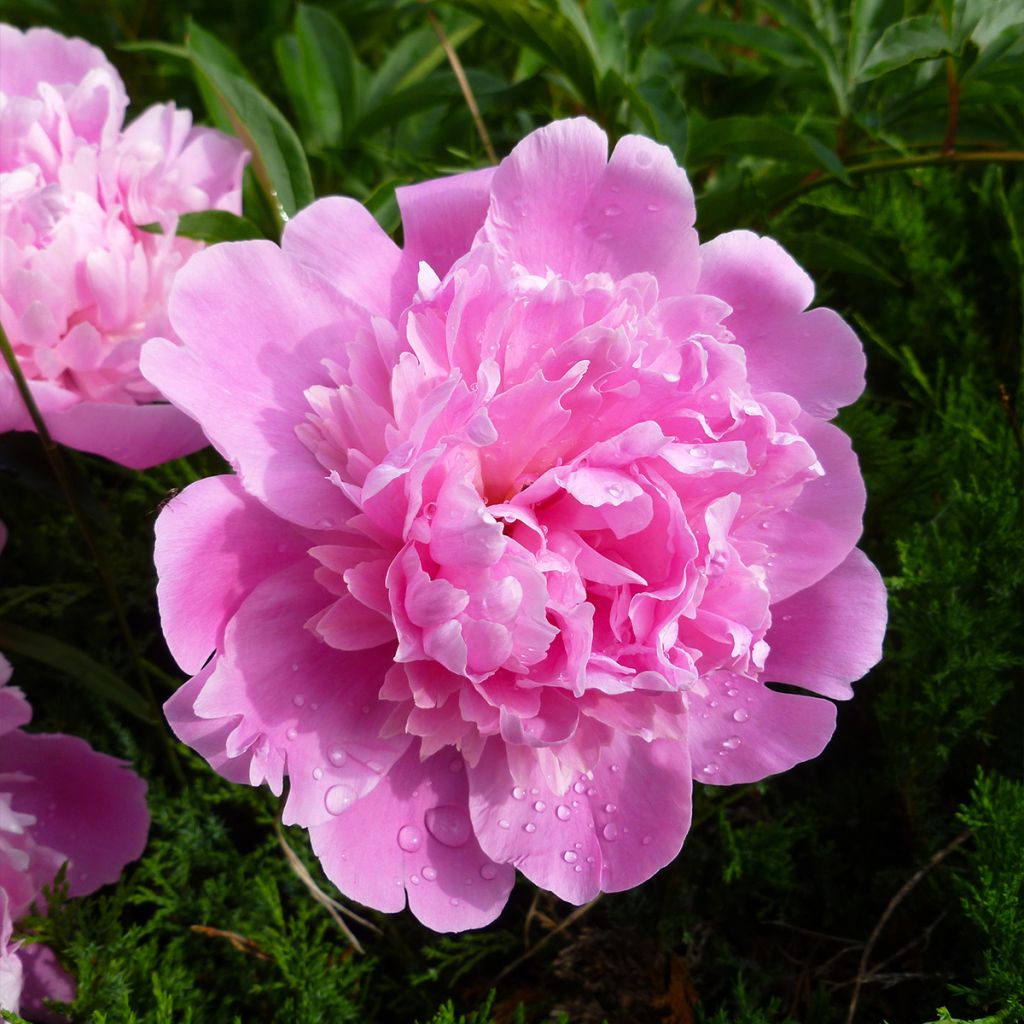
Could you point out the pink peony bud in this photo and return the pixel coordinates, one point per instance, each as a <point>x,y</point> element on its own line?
<point>81,286</point>
<point>525,518</point>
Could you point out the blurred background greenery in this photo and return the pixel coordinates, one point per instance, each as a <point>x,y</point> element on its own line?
<point>882,142</point>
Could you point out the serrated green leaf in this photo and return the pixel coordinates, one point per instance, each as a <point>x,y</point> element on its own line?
<point>920,38</point>
<point>211,226</point>
<point>278,160</point>
<point>75,663</point>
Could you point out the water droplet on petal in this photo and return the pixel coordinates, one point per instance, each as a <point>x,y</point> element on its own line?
<point>518,793</point>
<point>530,827</point>
<point>430,874</point>
<point>612,211</point>
<point>739,715</point>
<point>562,812</point>
<point>615,768</point>
<point>579,787</point>
<point>298,700</point>
<point>449,825</point>
<point>711,768</point>
<point>454,901</point>
<point>570,856</point>
<point>488,872</point>
<point>610,808</point>
<point>415,879</point>
<point>318,773</point>
<point>610,831</point>
<point>292,733</point>
<point>410,838</point>
<point>646,841</point>
<point>731,692</point>
<point>339,798</point>
<point>540,806</point>
<point>503,823</point>
<point>337,756</point>
<point>731,743</point>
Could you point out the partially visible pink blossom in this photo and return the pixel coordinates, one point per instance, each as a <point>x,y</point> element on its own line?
<point>525,518</point>
<point>60,802</point>
<point>81,286</point>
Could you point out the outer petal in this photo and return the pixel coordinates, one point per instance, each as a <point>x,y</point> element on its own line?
<point>214,543</point>
<point>609,832</point>
<point>302,706</point>
<point>412,835</point>
<point>830,634</point>
<point>44,978</point>
<point>256,326</point>
<point>441,217</point>
<point>742,732</point>
<point>136,436</point>
<point>556,202</point>
<point>14,709</point>
<point>339,238</point>
<point>822,526</point>
<point>813,356</point>
<point>10,962</point>
<point>89,807</point>
<point>207,737</point>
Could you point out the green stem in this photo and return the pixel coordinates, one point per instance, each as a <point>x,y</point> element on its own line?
<point>904,163</point>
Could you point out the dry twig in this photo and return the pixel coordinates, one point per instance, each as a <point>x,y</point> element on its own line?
<point>904,891</point>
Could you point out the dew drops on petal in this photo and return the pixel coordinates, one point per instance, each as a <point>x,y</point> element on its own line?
<point>710,769</point>
<point>339,798</point>
<point>318,774</point>
<point>610,832</point>
<point>449,825</point>
<point>488,872</point>
<point>410,838</point>
<point>610,808</point>
<point>731,743</point>
<point>739,715</point>
<point>518,793</point>
<point>298,700</point>
<point>429,873</point>
<point>646,841</point>
<point>415,879</point>
<point>503,823</point>
<point>539,806</point>
<point>337,756</point>
<point>530,827</point>
<point>562,813</point>
<point>570,856</point>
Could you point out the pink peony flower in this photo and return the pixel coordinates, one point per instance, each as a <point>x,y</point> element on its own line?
<point>81,287</point>
<point>525,518</point>
<point>60,802</point>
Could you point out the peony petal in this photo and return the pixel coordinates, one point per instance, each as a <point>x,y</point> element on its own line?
<point>136,436</point>
<point>44,978</point>
<point>558,203</point>
<point>412,835</point>
<point>441,217</point>
<point>822,526</point>
<point>339,238</point>
<point>89,807</point>
<point>813,356</point>
<point>303,707</point>
<point>256,326</point>
<point>830,634</point>
<point>752,732</point>
<point>214,543</point>
<point>609,832</point>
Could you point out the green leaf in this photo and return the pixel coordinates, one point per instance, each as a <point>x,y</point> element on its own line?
<point>211,226</point>
<point>75,663</point>
<point>818,251</point>
<point>803,29</point>
<point>754,136</point>
<point>330,71</point>
<point>920,38</point>
<point>278,160</point>
<point>551,34</point>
